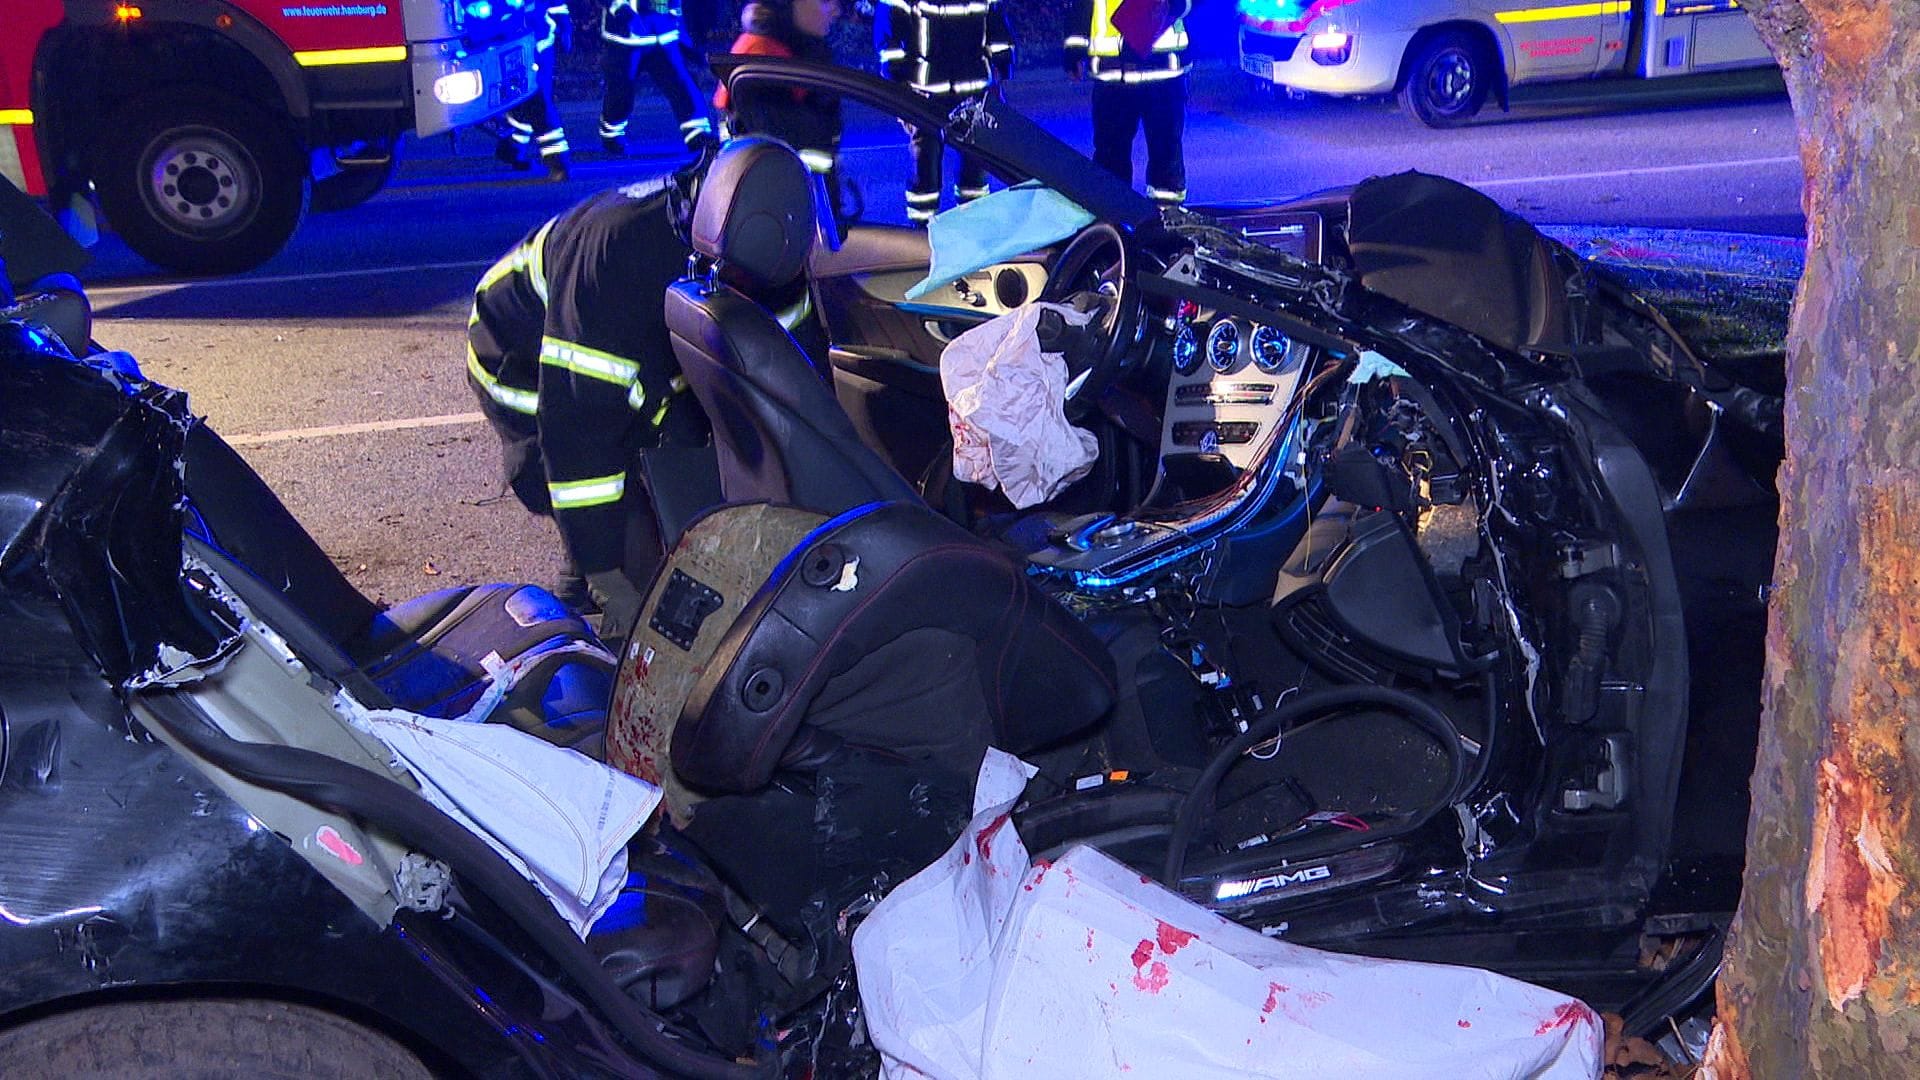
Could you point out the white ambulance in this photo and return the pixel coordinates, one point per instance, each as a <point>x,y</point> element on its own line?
<point>1444,58</point>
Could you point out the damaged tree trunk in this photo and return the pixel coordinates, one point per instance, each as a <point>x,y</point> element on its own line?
<point>1823,968</point>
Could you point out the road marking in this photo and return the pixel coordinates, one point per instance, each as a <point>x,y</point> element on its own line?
<point>110,291</point>
<point>1648,170</point>
<point>263,438</point>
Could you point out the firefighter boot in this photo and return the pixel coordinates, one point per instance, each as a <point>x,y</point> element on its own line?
<point>510,153</point>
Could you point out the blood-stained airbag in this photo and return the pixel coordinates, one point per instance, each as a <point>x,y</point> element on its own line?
<point>1006,406</point>
<point>983,967</point>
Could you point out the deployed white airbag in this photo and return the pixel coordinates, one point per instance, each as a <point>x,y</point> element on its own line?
<point>1006,408</point>
<point>561,818</point>
<point>982,967</point>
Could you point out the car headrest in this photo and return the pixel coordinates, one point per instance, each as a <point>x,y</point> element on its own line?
<point>755,214</point>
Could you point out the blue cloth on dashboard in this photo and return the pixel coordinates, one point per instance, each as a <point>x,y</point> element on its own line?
<point>996,228</point>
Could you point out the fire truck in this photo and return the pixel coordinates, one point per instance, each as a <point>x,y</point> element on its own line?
<point>1445,58</point>
<point>205,128</point>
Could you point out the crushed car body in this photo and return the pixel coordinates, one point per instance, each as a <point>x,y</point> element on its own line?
<point>1410,607</point>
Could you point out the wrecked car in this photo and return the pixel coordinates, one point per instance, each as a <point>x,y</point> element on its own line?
<point>1411,606</point>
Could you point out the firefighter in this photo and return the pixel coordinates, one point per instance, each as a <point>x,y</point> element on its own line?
<point>536,121</point>
<point>647,34</point>
<point>807,120</point>
<point>567,350</point>
<point>948,52</point>
<point>1140,82</point>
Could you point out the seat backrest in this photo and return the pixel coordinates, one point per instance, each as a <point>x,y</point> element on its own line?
<point>780,434</point>
<point>886,581</point>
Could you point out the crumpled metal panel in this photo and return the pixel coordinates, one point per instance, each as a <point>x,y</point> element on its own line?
<point>91,490</point>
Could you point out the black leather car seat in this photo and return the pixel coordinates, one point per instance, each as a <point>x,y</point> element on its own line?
<point>429,655</point>
<point>779,433</point>
<point>881,590</point>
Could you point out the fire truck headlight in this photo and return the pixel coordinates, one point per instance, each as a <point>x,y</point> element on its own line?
<point>459,87</point>
<point>1331,47</point>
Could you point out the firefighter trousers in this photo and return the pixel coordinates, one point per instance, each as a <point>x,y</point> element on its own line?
<point>536,121</point>
<point>1121,110</point>
<point>620,66</point>
<point>929,164</point>
<point>524,471</point>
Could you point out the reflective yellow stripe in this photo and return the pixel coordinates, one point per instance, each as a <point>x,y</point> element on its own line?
<point>590,362</point>
<point>528,257</point>
<point>537,260</point>
<point>384,54</point>
<point>579,494</point>
<point>510,262</point>
<point>1106,40</point>
<point>22,117</point>
<point>660,413</point>
<point>637,396</point>
<point>1548,14</point>
<point>817,160</point>
<point>520,401</point>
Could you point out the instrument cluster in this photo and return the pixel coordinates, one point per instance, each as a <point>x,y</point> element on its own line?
<point>1232,379</point>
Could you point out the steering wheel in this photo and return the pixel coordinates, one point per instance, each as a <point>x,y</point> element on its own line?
<point>1095,266</point>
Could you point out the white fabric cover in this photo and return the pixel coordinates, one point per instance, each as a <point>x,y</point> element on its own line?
<point>561,818</point>
<point>981,967</point>
<point>1006,407</point>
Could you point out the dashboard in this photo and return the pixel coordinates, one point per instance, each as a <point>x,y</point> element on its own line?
<point>1233,377</point>
<point>1232,380</point>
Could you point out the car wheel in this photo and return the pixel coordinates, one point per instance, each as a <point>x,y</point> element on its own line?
<point>201,182</point>
<point>351,186</point>
<point>244,1039</point>
<point>1448,81</point>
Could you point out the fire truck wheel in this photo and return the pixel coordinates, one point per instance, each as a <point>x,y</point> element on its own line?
<point>1448,79</point>
<point>201,182</point>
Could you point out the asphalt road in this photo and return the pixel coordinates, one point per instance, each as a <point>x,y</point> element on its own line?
<point>338,366</point>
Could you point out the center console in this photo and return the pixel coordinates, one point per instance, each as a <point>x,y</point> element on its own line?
<point>1225,434</point>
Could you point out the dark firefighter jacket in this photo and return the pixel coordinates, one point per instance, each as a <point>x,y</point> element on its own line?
<point>807,120</point>
<point>1091,36</point>
<point>943,46</point>
<point>574,340</point>
<point>641,24</point>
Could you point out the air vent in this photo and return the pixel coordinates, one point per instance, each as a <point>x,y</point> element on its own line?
<point>1223,346</point>
<point>1270,349</point>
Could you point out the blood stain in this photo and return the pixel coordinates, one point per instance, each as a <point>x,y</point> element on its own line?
<point>1154,979</point>
<point>1565,1015</point>
<point>985,840</point>
<point>1142,953</point>
<point>1171,938</point>
<point>1464,1023</point>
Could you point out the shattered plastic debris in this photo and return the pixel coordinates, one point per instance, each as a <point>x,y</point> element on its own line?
<point>1373,366</point>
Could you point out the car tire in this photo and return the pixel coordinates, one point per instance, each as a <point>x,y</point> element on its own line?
<point>1448,80</point>
<point>201,182</point>
<point>242,1039</point>
<point>351,186</point>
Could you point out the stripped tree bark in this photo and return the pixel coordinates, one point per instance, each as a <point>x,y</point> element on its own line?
<point>1823,967</point>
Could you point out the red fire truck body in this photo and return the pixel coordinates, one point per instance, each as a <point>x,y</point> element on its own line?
<point>204,127</point>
